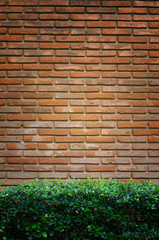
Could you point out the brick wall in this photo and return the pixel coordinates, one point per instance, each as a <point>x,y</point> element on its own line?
<point>79,84</point>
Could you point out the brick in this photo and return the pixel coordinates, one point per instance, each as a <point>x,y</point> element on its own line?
<point>79,117</point>
<point>132,24</point>
<point>22,2</point>
<point>7,9</point>
<point>100,139</point>
<point>85,60</point>
<point>23,31</point>
<point>67,53</point>
<point>154,10</point>
<point>69,24</point>
<point>69,154</point>
<point>53,3</point>
<point>132,39</point>
<point>116,3</point>
<point>84,102</point>
<point>115,17</point>
<point>68,109</point>
<point>69,67</point>
<point>54,45</point>
<point>116,31</point>
<point>70,39</point>
<point>33,38</point>
<point>85,3</point>
<point>146,32</point>
<point>132,125</point>
<point>116,60</point>
<point>85,161</point>
<point>100,110</point>
<point>19,16</point>
<point>101,67</point>
<point>38,9</point>
<point>146,4</point>
<point>100,168</point>
<point>84,17</point>
<point>145,18</point>
<point>28,95</point>
<point>37,66</point>
<point>38,52</point>
<point>132,96</point>
<point>53,60</point>
<point>74,168</point>
<point>70,9</point>
<point>21,117</point>
<point>154,53</point>
<point>132,10</point>
<point>6,52</point>
<point>101,24</point>
<point>53,16</point>
<point>116,117</point>
<point>49,117</point>
<point>153,139</point>
<point>84,175</point>
<point>53,31</point>
<point>81,132</point>
<point>85,74</point>
<point>100,153</point>
<point>69,95</point>
<point>11,38</point>
<point>76,146</point>
<point>100,95</point>
<point>93,31</point>
<point>53,132</point>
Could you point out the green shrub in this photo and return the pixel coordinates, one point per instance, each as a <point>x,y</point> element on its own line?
<point>80,210</point>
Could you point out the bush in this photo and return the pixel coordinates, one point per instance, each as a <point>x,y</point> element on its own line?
<point>80,210</point>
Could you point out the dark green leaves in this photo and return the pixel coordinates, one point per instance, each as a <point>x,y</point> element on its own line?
<point>80,210</point>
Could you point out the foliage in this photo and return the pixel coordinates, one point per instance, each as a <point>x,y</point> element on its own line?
<point>80,210</point>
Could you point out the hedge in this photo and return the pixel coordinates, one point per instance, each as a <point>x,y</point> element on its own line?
<point>80,210</point>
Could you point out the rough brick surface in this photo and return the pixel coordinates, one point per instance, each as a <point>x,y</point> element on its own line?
<point>79,89</point>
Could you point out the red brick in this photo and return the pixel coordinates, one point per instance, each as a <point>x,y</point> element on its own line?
<point>100,168</point>
<point>100,95</point>
<point>132,24</point>
<point>49,117</point>
<point>132,10</point>
<point>132,39</point>
<point>146,4</point>
<point>54,2</point>
<point>23,2</point>
<point>19,16</point>
<point>116,60</point>
<point>21,117</point>
<point>85,3</point>
<point>69,24</point>
<point>100,24</point>
<point>116,31</point>
<point>116,3</point>
<point>23,31</point>
<point>93,31</point>
<point>54,45</point>
<point>70,9</point>
<point>11,9</point>
<point>154,10</point>
<point>100,139</point>
<point>53,16</point>
<point>79,117</point>
<point>145,18</point>
<point>84,17</point>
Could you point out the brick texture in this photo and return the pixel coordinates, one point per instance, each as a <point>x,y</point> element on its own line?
<point>79,90</point>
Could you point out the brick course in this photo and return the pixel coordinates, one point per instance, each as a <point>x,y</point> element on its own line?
<point>79,84</point>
